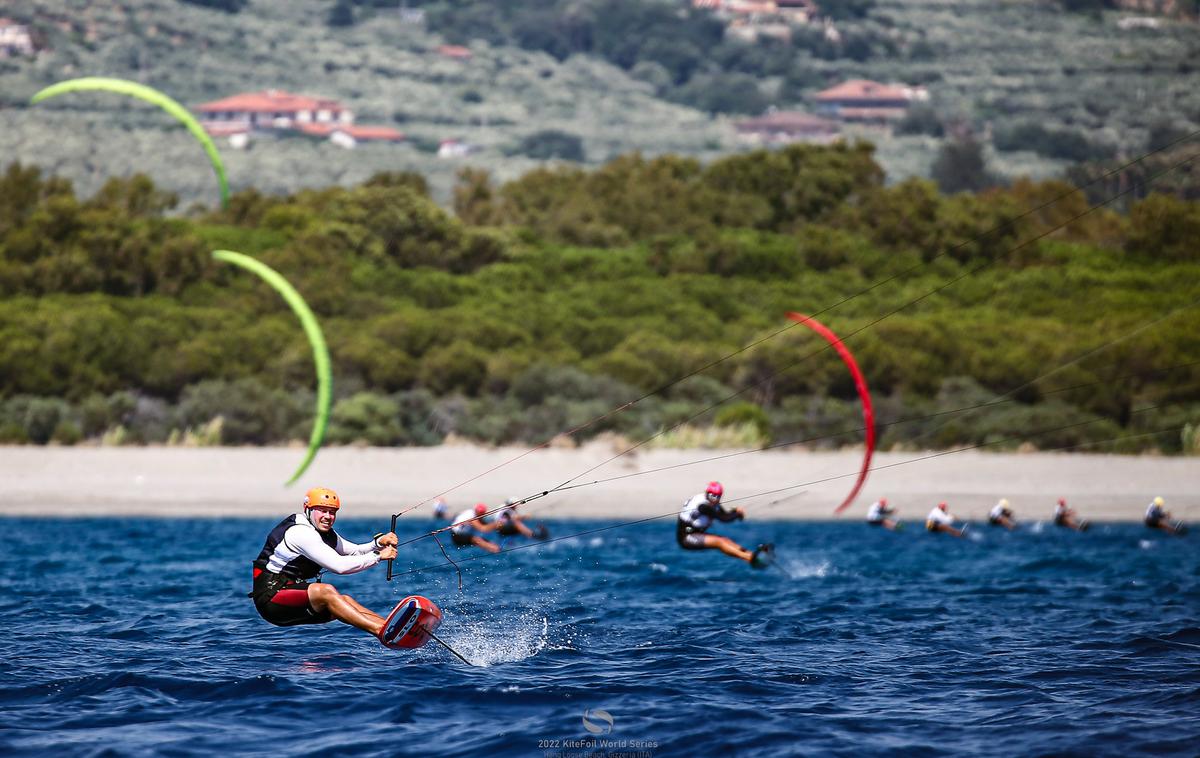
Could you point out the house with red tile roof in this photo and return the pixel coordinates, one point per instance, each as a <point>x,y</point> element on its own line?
<point>457,52</point>
<point>751,20</point>
<point>278,111</point>
<point>274,109</point>
<point>785,127</point>
<point>866,101</point>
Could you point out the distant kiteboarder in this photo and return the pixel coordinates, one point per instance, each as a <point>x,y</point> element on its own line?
<point>1158,517</point>
<point>1066,516</point>
<point>512,523</point>
<point>297,550</point>
<point>469,527</point>
<point>441,509</point>
<point>880,514</point>
<point>697,516</point>
<point>1002,515</point>
<point>940,520</point>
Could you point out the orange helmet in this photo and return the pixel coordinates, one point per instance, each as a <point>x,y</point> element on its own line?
<point>321,497</point>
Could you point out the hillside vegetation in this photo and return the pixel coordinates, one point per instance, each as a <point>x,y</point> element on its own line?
<point>607,76</point>
<point>550,299</point>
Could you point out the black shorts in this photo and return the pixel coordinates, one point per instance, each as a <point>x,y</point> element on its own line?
<point>288,605</point>
<point>508,529</point>
<point>995,521</point>
<point>1060,521</point>
<point>689,540</point>
<point>875,523</point>
<point>462,539</point>
<point>1154,521</point>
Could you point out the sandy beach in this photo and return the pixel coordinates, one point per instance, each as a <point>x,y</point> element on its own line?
<point>211,482</point>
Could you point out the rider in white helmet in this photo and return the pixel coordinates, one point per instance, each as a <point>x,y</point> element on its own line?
<point>1002,515</point>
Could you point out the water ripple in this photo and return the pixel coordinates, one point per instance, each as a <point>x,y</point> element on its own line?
<point>856,642</point>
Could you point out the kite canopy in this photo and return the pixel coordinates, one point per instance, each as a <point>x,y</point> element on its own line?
<point>315,338</point>
<point>150,95</point>
<point>860,383</point>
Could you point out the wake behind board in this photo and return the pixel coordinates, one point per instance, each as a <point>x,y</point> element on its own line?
<point>410,624</point>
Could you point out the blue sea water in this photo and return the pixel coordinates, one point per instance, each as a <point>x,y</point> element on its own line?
<point>134,637</point>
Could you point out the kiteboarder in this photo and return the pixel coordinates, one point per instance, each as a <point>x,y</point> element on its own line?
<point>468,528</point>
<point>1159,518</point>
<point>1064,515</point>
<point>878,513</point>
<point>441,510</point>
<point>1002,515</point>
<point>512,523</point>
<point>297,550</point>
<point>697,516</point>
<point>940,520</point>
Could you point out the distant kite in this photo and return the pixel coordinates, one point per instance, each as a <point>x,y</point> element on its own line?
<point>864,394</point>
<point>315,338</point>
<point>150,95</point>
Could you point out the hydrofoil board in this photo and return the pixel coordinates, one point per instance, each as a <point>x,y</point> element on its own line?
<point>411,623</point>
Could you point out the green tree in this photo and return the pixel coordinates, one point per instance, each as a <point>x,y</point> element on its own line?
<point>960,166</point>
<point>549,144</point>
<point>342,14</point>
<point>458,367</point>
<point>1165,228</point>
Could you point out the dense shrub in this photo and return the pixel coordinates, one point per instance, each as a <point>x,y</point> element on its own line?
<point>1062,143</point>
<point>1165,228</point>
<point>251,413</point>
<point>550,144</point>
<point>509,333</point>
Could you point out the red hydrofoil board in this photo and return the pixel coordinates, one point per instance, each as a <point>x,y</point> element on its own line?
<point>410,623</point>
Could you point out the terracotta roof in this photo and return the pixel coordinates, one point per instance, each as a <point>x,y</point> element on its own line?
<point>363,133</point>
<point>373,133</point>
<point>270,101</point>
<point>316,130</point>
<point>862,89</point>
<point>747,7</point>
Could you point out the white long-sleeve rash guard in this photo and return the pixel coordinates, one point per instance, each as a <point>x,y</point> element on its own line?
<point>303,539</point>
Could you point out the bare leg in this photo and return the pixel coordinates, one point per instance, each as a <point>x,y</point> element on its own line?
<point>363,609</point>
<point>728,547</point>
<point>487,545</point>
<point>325,597</point>
<point>523,529</point>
